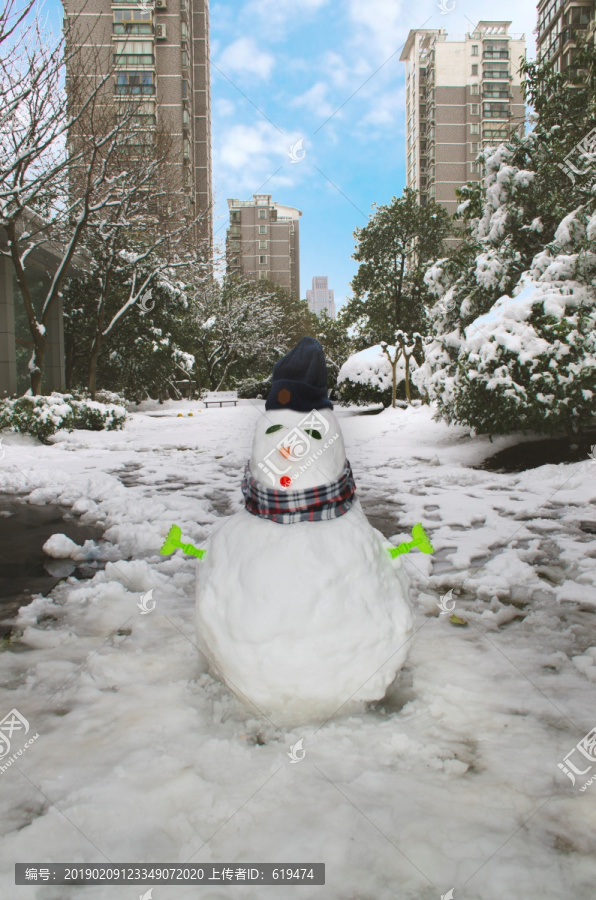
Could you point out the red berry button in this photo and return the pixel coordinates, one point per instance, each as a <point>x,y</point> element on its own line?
<point>285,481</point>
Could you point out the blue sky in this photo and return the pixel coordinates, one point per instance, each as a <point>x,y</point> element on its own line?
<point>326,72</point>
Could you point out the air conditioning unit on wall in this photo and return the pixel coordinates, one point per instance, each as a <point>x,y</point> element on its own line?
<point>160,4</point>
<point>160,32</point>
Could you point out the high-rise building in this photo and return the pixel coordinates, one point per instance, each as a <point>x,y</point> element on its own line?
<point>320,297</point>
<point>462,94</point>
<point>263,242</point>
<point>559,22</point>
<point>157,55</point>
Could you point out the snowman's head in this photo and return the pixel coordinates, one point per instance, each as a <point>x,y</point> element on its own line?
<point>293,450</point>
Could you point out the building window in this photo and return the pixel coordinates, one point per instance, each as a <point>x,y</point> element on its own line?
<point>135,83</point>
<point>184,30</point>
<point>262,260</point>
<point>235,215</point>
<point>132,21</point>
<point>262,245</point>
<point>475,109</point>
<point>263,275</point>
<point>184,89</point>
<point>185,59</point>
<point>474,49</point>
<point>474,70</point>
<point>475,146</point>
<point>474,129</point>
<point>186,148</point>
<point>262,214</point>
<point>262,229</point>
<point>474,168</point>
<point>474,89</point>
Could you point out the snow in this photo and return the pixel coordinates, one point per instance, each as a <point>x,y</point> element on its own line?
<point>450,782</point>
<point>59,546</point>
<point>371,366</point>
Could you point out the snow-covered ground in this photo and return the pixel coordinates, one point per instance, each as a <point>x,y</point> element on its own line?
<point>450,783</point>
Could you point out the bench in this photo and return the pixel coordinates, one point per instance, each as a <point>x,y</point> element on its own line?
<point>220,397</point>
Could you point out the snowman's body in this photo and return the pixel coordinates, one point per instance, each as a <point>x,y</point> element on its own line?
<point>302,619</point>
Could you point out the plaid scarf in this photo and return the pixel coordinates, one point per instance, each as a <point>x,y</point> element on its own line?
<point>326,501</point>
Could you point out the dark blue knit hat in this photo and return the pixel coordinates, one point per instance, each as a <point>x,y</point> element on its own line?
<point>300,379</point>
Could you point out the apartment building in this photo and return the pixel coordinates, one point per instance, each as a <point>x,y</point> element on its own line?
<point>157,55</point>
<point>559,23</point>
<point>320,298</point>
<point>263,242</point>
<point>462,94</point>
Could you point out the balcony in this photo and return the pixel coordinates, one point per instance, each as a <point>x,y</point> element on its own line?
<point>495,54</point>
<point>496,113</point>
<point>496,73</point>
<point>132,28</point>
<point>128,60</point>
<point>144,90</point>
<point>489,93</point>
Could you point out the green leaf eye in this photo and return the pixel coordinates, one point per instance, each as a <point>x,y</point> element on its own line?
<point>313,433</point>
<point>273,428</point>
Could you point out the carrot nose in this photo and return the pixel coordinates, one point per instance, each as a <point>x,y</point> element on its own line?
<point>285,451</point>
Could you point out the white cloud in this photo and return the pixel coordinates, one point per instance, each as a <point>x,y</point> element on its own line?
<point>381,26</point>
<point>223,107</point>
<point>243,57</point>
<point>276,15</point>
<point>315,100</point>
<point>248,155</point>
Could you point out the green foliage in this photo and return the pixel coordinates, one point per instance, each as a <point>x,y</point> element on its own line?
<point>358,394</point>
<point>337,345</point>
<point>393,250</point>
<point>42,416</point>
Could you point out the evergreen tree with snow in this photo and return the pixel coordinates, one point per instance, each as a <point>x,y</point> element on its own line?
<point>514,318</point>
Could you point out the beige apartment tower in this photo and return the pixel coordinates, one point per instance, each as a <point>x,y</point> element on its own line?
<point>560,22</point>
<point>157,52</point>
<point>462,94</point>
<point>263,242</point>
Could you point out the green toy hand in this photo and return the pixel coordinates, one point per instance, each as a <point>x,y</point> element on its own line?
<point>419,539</point>
<point>173,542</point>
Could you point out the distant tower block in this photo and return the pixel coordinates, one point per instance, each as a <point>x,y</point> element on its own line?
<point>320,298</point>
<point>263,242</point>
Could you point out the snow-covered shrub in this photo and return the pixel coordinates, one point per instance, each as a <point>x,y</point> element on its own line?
<point>529,363</point>
<point>366,378</point>
<point>43,416</point>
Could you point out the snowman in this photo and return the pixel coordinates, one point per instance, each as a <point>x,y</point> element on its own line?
<point>300,608</point>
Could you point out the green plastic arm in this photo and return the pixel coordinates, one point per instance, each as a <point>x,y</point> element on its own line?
<point>173,542</point>
<point>419,539</point>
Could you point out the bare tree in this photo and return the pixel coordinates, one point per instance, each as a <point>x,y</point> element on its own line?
<point>69,166</point>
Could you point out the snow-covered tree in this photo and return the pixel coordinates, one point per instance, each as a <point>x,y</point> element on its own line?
<point>526,257</point>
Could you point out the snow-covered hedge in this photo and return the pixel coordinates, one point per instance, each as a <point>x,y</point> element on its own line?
<point>366,377</point>
<point>42,416</point>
